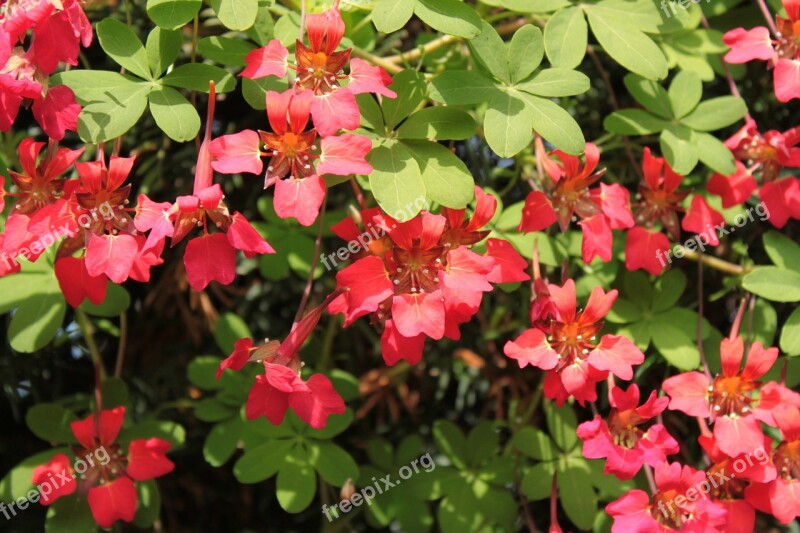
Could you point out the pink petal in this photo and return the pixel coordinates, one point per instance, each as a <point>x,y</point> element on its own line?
<point>738,435</point>
<point>467,270</point>
<point>747,45</point>
<point>343,155</point>
<point>597,238</point>
<point>365,78</point>
<point>299,198</point>
<point>688,393</point>
<point>617,355</point>
<point>532,348</point>
<point>335,111</point>
<point>237,153</point>
<point>787,79</point>
<point>419,313</point>
<point>270,60</point>
<point>243,236</point>
<point>112,255</point>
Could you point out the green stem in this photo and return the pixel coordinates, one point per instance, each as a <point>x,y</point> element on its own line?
<point>87,329</point>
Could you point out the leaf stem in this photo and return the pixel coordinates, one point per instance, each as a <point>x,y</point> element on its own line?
<point>314,260</point>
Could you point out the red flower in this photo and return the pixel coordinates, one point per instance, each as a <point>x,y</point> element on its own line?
<point>566,194</point>
<point>625,446</point>
<point>703,220</point>
<point>675,507</point>
<point>782,54</point>
<point>296,163</point>
<point>319,72</point>
<point>779,496</point>
<point>565,346</point>
<point>110,474</point>
<point>423,281</point>
<point>730,398</point>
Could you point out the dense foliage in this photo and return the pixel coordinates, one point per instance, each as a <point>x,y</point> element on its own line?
<point>516,264</point>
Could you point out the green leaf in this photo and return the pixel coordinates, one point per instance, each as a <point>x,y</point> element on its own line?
<point>172,14</point>
<point>481,443</point>
<point>650,94</point>
<point>716,113</point>
<point>449,16</point>
<point>685,92</point>
<point>262,462</point>
<point>561,422</point>
<point>534,443</point>
<point>678,147</point>
<point>576,493</point>
<point>296,484</point>
<point>555,124</point>
<point>371,114</point>
<point>334,465</point>
<point>224,50</point>
<point>714,154</point>
<point>174,114</point>
<point>263,30</point>
<point>114,111</point>
<point>531,6</point>
<point>391,15</point>
<point>70,515</point>
<point>163,46</point>
<point>255,91</point>
<point>790,335</point>
<point>447,180</point>
<point>202,372</point>
<point>220,445</point>
<point>51,422</point>
<point>566,38</point>
<point>490,51</point>
<point>676,346</point>
<point>337,424</point>
<point>37,319</point>
<point>782,250</point>
<point>229,329</point>
<point>451,442</point>
<point>462,87</point>
<point>213,410</point>
<point>556,82</point>
<point>525,52</point>
<point>537,483</point>
<point>236,15</point>
<point>149,503</point>
<point>507,124</point>
<point>117,302</point>
<point>396,181</point>
<point>124,47</point>
<point>624,312</point>
<point>115,393</point>
<point>634,122</point>
<point>669,290</point>
<point>774,284</point>
<point>196,76</point>
<point>626,44</point>
<point>440,123</point>
<point>411,89</point>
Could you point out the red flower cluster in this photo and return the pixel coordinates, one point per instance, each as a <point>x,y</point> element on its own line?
<point>281,386</point>
<point>567,193</point>
<point>564,343</point>
<point>107,474</point>
<point>297,162</point>
<point>422,280</point>
<point>58,28</point>
<point>781,53</point>
<point>767,155</point>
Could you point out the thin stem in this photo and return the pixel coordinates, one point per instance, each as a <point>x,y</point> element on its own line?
<point>128,15</point>
<point>314,260</point>
<point>302,20</point>
<point>768,17</point>
<point>651,481</point>
<point>731,83</point>
<point>123,337</point>
<point>716,263</point>
<point>87,329</point>
<point>390,67</point>
<point>359,195</point>
<point>700,319</point>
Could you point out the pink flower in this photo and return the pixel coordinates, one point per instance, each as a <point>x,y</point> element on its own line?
<point>620,441</point>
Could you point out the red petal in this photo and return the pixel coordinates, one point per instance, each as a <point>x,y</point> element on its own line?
<point>58,476</point>
<point>365,78</point>
<point>325,30</point>
<point>598,306</point>
<point>616,354</point>
<point>419,313</point>
<point>236,153</point>
<point>316,405</point>
<point>532,348</point>
<point>344,155</point>
<point>57,112</point>
<point>509,265</point>
<point>270,60</point>
<point>239,357</point>
<point>395,347</point>
<point>76,283</point>
<point>734,189</point>
<point>113,501</point>
<point>564,300</point>
<point>210,258</point>
<point>616,204</point>
<point>597,238</point>
<point>112,255</point>
<point>147,459</point>
<point>335,111</point>
<point>368,284</point>
<point>244,237</point>
<point>266,400</point>
<point>776,197</point>
<point>646,249</point>
<point>738,435</point>
<point>787,79</point>
<point>537,214</point>
<point>702,220</point>
<point>731,353</point>
<point>688,393</point>
<point>110,424</point>
<point>467,270</point>
<point>299,198</point>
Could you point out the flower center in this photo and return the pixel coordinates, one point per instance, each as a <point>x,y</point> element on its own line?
<point>665,510</point>
<point>787,459</point>
<point>728,396</point>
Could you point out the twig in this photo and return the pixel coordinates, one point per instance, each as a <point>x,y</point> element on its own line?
<point>700,319</point>
<point>123,338</point>
<point>314,260</point>
<point>716,263</point>
<point>768,17</point>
